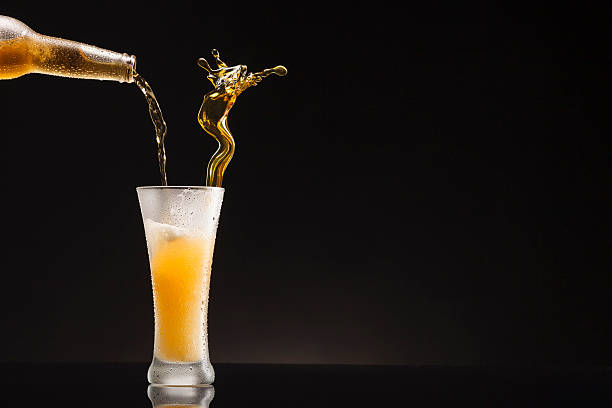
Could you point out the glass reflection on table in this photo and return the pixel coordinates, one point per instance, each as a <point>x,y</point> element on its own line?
<point>162,396</point>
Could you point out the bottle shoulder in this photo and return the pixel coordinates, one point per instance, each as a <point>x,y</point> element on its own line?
<point>11,28</point>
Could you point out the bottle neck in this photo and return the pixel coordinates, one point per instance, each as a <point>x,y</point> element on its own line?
<point>129,62</point>
<point>56,56</point>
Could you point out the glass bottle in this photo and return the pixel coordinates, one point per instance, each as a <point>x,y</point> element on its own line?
<point>23,51</point>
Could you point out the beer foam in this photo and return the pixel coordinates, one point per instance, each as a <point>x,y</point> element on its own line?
<point>157,233</point>
<point>171,213</point>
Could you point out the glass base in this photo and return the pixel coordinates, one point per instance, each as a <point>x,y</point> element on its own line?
<point>173,373</point>
<point>168,396</point>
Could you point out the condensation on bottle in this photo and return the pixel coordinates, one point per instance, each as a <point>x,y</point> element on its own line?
<point>23,51</point>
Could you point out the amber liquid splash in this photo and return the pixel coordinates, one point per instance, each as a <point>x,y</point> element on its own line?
<point>158,122</point>
<point>229,82</point>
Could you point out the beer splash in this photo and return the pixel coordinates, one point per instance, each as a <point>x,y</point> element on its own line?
<point>158,122</point>
<point>229,82</point>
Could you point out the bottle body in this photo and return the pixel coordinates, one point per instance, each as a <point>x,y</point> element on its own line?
<point>23,51</point>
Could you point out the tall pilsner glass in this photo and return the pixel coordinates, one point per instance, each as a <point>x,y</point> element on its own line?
<point>180,227</point>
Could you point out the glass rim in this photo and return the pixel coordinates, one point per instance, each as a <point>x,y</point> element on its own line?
<point>179,188</point>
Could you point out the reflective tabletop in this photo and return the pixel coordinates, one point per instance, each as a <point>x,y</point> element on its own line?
<point>87,385</point>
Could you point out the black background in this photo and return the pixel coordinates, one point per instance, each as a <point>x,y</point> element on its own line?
<point>415,191</point>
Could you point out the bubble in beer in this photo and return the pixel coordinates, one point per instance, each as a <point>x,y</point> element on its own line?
<point>229,82</point>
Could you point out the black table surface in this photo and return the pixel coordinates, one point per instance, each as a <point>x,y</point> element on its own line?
<point>238,385</point>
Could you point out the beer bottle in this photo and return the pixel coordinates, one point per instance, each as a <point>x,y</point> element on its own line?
<point>23,51</point>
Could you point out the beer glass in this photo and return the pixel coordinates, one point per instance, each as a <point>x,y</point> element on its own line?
<point>180,226</point>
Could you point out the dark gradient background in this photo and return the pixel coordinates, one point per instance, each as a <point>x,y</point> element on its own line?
<point>413,192</point>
